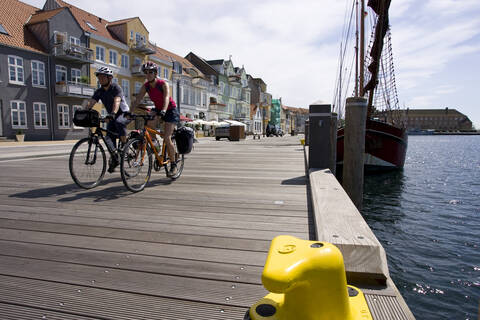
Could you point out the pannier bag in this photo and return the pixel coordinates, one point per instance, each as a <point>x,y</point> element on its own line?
<point>86,118</point>
<point>184,138</point>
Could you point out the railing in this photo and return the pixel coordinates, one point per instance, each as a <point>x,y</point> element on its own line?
<point>142,47</point>
<point>70,51</point>
<point>74,89</point>
<point>136,70</point>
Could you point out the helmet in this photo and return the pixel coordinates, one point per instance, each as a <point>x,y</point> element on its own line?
<point>150,66</point>
<point>104,70</point>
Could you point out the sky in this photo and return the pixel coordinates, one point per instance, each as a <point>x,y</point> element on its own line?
<point>294,46</point>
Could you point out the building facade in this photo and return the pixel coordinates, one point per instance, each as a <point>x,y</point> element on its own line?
<point>25,104</point>
<point>430,119</point>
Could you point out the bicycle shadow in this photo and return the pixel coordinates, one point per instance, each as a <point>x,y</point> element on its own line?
<point>73,193</point>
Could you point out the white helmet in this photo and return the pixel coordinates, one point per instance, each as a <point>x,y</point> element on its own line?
<point>104,70</point>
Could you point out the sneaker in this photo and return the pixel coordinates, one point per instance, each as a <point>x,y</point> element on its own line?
<point>112,164</point>
<point>173,170</point>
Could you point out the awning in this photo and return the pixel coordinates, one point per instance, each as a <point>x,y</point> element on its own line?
<point>235,123</point>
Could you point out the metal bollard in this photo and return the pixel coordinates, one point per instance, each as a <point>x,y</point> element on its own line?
<point>307,281</point>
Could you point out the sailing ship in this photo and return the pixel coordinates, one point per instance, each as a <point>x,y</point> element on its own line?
<point>386,139</point>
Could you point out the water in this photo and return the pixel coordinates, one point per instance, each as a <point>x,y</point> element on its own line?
<point>427,217</point>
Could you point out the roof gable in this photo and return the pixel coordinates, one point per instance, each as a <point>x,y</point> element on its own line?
<point>13,15</point>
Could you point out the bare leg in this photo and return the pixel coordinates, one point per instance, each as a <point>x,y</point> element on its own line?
<point>169,126</point>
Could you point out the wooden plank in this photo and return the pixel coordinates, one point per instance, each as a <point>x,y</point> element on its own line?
<point>135,262</point>
<point>139,235</point>
<point>338,221</point>
<point>153,284</point>
<point>86,301</point>
<point>243,257</point>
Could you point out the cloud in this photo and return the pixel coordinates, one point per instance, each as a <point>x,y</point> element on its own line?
<point>294,47</point>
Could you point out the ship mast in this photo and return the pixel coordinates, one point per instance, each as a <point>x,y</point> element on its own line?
<point>362,48</point>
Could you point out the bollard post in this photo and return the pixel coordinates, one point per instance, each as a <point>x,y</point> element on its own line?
<point>333,142</point>
<point>307,280</point>
<point>319,136</point>
<point>354,149</point>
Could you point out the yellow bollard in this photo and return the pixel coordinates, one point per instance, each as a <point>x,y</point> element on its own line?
<point>307,281</point>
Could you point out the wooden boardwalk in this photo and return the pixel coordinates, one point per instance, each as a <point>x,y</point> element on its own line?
<point>191,249</point>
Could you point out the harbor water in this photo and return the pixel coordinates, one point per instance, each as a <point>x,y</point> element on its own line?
<point>427,217</point>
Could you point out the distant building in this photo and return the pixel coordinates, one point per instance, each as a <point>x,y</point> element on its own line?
<point>430,119</point>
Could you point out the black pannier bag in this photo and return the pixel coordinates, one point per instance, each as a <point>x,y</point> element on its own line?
<point>184,138</point>
<point>86,118</point>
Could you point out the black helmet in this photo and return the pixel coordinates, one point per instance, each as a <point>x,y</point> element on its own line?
<point>150,66</point>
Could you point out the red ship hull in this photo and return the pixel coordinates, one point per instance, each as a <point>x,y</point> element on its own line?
<point>385,146</point>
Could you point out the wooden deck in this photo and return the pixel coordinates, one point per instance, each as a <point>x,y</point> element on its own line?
<point>191,249</point>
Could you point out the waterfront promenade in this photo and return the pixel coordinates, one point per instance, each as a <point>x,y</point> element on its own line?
<point>191,249</point>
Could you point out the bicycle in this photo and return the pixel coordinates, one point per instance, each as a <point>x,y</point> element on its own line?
<point>136,159</point>
<point>88,163</point>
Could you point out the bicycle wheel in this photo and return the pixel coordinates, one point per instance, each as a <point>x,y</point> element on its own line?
<point>179,161</point>
<point>87,163</point>
<point>135,165</point>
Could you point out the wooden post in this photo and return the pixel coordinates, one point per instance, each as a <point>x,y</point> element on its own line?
<point>333,142</point>
<point>319,136</point>
<point>354,148</point>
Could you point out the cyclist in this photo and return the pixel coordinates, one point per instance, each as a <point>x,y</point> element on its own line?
<point>165,107</point>
<point>113,99</point>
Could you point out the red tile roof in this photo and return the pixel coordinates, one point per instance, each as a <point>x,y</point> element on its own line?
<point>42,16</point>
<point>13,15</point>
<point>83,17</point>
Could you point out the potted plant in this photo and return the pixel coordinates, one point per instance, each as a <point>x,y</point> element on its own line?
<point>84,79</point>
<point>20,135</point>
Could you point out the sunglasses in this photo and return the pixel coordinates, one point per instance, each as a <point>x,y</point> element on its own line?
<point>150,72</point>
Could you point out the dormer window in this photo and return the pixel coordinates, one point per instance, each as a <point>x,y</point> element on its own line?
<point>90,26</point>
<point>2,30</point>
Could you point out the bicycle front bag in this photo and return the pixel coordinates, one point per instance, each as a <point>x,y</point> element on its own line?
<point>86,118</point>
<point>184,138</point>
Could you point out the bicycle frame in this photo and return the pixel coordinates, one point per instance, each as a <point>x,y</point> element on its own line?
<point>160,157</point>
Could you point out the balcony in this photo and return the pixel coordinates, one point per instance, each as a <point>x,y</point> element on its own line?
<point>136,71</point>
<point>74,90</point>
<point>218,107</point>
<point>68,51</point>
<point>141,47</point>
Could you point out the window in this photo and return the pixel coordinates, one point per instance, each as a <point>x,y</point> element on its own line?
<point>100,53</point>
<point>184,94</point>
<point>115,80</point>
<point>60,73</point>
<point>40,115</point>
<point>38,73</point>
<point>125,61</point>
<point>125,87</point>
<point>63,116</point>
<point>138,86</point>
<point>113,57</point>
<point>18,114</point>
<point>15,67</point>
<point>165,73</point>
<point>90,25</point>
<point>76,75</point>
<point>2,30</point>
<point>204,99</point>
<point>137,61</point>
<point>131,34</point>
<point>59,37</point>
<point>74,41</point>
<point>159,70</point>
<point>75,108</point>
<point>138,38</point>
